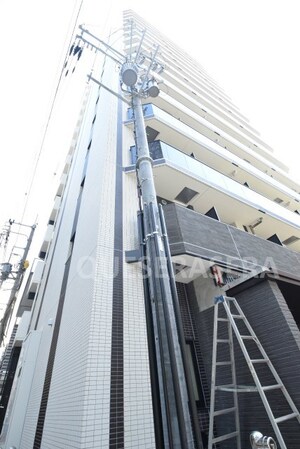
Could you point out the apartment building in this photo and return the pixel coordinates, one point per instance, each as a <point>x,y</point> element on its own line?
<point>87,370</point>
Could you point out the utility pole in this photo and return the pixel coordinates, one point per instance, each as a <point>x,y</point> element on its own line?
<point>17,277</point>
<point>177,428</point>
<point>176,397</point>
<point>179,425</point>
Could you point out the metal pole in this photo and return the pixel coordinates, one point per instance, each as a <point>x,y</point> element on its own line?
<point>172,380</point>
<point>15,288</point>
<point>153,361</point>
<point>171,369</point>
<point>193,409</point>
<point>144,161</point>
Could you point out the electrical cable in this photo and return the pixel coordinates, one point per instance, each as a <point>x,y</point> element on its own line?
<point>28,191</point>
<point>73,22</point>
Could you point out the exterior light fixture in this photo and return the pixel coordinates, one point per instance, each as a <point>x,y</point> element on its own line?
<point>256,223</point>
<point>152,88</point>
<point>129,74</point>
<point>258,441</point>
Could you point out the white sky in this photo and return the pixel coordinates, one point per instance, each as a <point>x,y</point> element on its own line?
<point>250,48</point>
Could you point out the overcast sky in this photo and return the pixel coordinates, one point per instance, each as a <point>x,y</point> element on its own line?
<point>250,47</point>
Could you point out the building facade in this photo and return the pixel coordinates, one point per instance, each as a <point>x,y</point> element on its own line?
<point>84,371</point>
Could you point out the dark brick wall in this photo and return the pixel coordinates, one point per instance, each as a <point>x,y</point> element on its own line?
<point>196,234</point>
<point>187,301</point>
<point>264,305</point>
<point>264,252</point>
<point>267,312</point>
<point>185,312</point>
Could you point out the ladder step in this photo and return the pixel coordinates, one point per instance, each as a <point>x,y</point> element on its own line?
<point>224,411</point>
<point>286,417</point>
<point>259,360</point>
<point>224,387</point>
<point>225,437</point>
<point>272,387</point>
<point>232,317</point>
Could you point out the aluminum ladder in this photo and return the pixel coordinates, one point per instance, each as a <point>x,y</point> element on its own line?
<point>232,315</point>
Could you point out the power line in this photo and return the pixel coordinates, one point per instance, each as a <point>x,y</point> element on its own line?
<point>28,191</point>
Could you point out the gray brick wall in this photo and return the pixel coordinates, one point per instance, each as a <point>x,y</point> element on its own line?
<point>264,305</point>
<point>193,233</point>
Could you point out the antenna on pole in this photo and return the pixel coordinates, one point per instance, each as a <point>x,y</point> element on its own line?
<point>130,45</point>
<point>139,48</point>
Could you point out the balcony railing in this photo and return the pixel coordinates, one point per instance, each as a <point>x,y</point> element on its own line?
<point>155,149</point>
<point>212,178</point>
<point>153,111</point>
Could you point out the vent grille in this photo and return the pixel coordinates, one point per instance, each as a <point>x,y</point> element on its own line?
<point>278,200</point>
<point>291,240</point>
<point>186,195</point>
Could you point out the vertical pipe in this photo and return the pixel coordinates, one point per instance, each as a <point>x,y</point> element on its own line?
<point>172,373</point>
<point>170,337</point>
<point>193,410</point>
<point>157,400</point>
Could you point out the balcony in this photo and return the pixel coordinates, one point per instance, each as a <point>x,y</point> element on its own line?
<point>62,184</point>
<point>176,173</point>
<point>67,163</point>
<point>46,240</point>
<point>22,330</point>
<point>55,208</point>
<point>227,155</point>
<point>37,273</point>
<point>198,242</point>
<point>31,288</point>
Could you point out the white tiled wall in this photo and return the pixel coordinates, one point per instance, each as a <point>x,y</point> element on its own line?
<point>79,399</point>
<point>139,430</point>
<point>78,407</point>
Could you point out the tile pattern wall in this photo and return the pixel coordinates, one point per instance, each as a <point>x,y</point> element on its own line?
<point>79,401</point>
<point>116,423</point>
<point>139,425</point>
<point>223,243</point>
